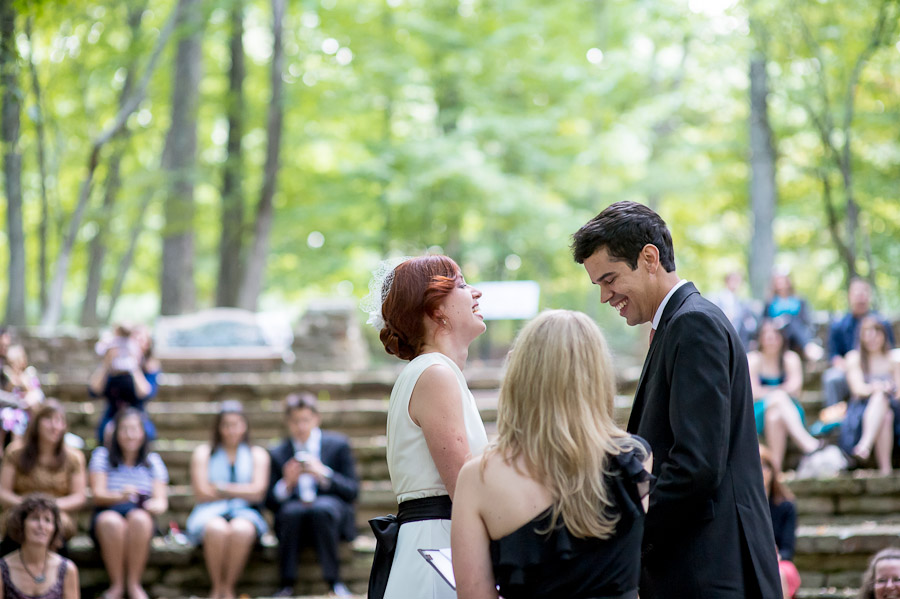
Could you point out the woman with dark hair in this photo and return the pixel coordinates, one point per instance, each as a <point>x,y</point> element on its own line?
<point>129,485</point>
<point>229,477</point>
<point>426,314</point>
<point>873,377</point>
<point>776,376</point>
<point>43,463</point>
<point>127,376</point>
<point>34,570</point>
<point>882,578</point>
<point>556,507</point>
<point>784,522</point>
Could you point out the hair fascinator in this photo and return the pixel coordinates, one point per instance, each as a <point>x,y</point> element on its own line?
<point>379,287</point>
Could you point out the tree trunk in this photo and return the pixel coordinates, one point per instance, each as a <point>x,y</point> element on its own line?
<point>97,252</point>
<point>12,164</point>
<point>54,301</point>
<point>230,244</point>
<point>179,158</point>
<point>763,193</point>
<point>125,262</point>
<point>256,264</point>
<point>42,170</point>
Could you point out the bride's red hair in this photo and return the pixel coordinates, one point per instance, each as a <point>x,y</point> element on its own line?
<point>418,287</point>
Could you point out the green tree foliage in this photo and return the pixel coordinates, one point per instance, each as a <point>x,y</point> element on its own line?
<point>488,129</point>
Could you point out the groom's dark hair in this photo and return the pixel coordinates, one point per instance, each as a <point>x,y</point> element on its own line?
<point>624,228</point>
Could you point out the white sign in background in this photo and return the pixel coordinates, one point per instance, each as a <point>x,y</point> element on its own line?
<point>508,300</point>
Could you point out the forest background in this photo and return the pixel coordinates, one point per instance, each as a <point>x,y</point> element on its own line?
<point>162,157</point>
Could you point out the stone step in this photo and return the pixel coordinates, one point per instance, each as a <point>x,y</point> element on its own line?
<point>193,420</point>
<point>376,498</point>
<point>837,556</point>
<point>273,386</point>
<point>369,452</point>
<point>826,593</point>
<point>858,495</point>
<point>175,570</point>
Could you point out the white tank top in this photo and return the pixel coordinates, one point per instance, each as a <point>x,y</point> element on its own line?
<point>413,473</point>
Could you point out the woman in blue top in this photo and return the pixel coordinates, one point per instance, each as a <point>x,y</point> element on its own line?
<point>229,477</point>
<point>556,507</point>
<point>129,486</point>
<point>791,314</point>
<point>776,375</point>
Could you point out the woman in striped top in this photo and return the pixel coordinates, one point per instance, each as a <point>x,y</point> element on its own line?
<point>129,486</point>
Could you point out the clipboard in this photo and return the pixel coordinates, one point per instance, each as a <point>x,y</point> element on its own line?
<point>441,560</point>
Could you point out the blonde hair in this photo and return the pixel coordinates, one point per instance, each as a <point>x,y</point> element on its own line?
<point>555,412</point>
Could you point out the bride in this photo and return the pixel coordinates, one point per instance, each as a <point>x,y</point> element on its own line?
<point>429,316</point>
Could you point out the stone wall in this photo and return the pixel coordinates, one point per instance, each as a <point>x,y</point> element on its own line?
<point>327,337</point>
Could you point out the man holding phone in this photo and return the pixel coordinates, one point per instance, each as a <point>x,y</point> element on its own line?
<point>312,488</point>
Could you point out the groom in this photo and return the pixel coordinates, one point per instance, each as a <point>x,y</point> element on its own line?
<point>708,532</point>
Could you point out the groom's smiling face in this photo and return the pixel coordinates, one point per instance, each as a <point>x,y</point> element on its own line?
<point>627,291</point>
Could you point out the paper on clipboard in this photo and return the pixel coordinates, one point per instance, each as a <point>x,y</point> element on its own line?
<point>442,561</point>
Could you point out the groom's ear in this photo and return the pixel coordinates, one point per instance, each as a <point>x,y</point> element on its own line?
<point>649,258</point>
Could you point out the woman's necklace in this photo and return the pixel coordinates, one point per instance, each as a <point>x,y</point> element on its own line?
<point>37,579</point>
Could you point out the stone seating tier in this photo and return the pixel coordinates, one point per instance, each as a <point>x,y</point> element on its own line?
<point>843,520</point>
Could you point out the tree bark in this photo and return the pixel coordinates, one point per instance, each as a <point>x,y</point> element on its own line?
<point>54,302</point>
<point>231,242</point>
<point>256,264</point>
<point>763,192</point>
<point>12,164</point>
<point>179,158</point>
<point>42,169</point>
<point>97,251</point>
<point>128,257</point>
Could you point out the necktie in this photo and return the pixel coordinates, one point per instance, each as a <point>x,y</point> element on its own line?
<point>652,332</point>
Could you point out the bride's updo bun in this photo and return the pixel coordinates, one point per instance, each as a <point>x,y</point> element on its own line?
<point>418,287</point>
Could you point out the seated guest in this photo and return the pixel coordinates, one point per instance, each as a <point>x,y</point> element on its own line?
<point>127,376</point>
<point>229,477</point>
<point>784,522</point>
<point>22,382</point>
<point>842,337</point>
<point>776,376</point>
<point>873,376</point>
<point>129,485</point>
<point>791,314</point>
<point>882,578</point>
<point>34,570</point>
<point>43,463</point>
<point>556,507</point>
<point>737,309</point>
<point>312,488</point>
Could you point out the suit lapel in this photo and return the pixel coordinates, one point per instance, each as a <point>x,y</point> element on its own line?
<point>659,338</point>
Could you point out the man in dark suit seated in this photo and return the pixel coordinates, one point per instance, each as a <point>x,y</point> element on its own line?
<point>312,488</point>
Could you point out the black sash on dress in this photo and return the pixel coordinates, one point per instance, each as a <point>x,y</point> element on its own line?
<point>387,529</point>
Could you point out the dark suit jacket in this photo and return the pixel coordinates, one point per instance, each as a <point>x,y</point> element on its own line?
<point>335,454</point>
<point>708,532</point>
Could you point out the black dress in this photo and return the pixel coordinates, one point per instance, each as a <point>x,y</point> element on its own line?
<point>531,565</point>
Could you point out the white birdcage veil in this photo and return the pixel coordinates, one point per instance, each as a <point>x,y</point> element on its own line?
<point>379,287</point>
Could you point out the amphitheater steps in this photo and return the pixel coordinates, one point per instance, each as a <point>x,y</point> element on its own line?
<point>843,520</point>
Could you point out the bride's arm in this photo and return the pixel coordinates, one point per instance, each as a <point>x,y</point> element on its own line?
<point>436,406</point>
